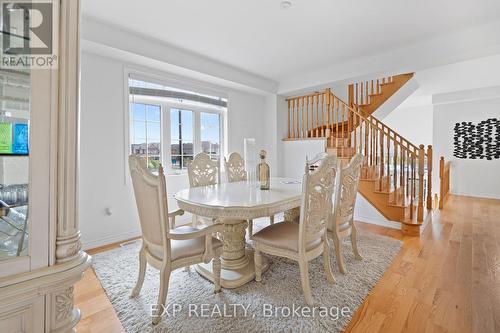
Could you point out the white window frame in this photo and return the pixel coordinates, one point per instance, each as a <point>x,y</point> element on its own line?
<point>146,121</point>
<point>197,111</point>
<point>170,80</point>
<point>165,107</point>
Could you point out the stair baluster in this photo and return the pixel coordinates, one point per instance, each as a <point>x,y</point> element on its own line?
<point>429,177</point>
<point>366,93</point>
<point>421,172</point>
<point>392,163</point>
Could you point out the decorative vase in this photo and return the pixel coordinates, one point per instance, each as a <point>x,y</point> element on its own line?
<point>263,173</point>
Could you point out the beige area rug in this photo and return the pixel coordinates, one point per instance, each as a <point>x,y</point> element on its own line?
<point>275,305</point>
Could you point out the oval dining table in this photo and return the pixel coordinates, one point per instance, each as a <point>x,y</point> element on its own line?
<point>232,205</point>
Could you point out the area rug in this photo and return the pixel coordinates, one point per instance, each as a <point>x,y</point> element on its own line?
<point>274,305</point>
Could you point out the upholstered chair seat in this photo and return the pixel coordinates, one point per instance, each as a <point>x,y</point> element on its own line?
<point>341,224</point>
<point>165,247</point>
<point>306,240</point>
<point>284,235</point>
<point>181,249</point>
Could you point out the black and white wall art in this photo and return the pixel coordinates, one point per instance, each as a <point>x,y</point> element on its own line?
<point>477,141</point>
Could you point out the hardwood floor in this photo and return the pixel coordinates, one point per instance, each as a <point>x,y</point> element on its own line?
<point>448,280</point>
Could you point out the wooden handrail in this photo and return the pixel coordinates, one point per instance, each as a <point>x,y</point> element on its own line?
<point>401,167</point>
<point>316,96</point>
<point>444,181</point>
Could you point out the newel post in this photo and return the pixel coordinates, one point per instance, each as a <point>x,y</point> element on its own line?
<point>441,182</point>
<point>429,177</point>
<point>421,172</point>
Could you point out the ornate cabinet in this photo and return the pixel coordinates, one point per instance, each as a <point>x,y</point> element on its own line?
<point>40,252</point>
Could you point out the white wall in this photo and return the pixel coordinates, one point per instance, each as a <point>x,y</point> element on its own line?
<point>414,123</point>
<point>102,156</point>
<point>468,177</point>
<point>365,212</point>
<point>295,153</point>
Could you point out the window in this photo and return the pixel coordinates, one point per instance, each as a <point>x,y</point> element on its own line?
<point>210,134</point>
<point>181,138</point>
<point>146,129</point>
<point>189,122</point>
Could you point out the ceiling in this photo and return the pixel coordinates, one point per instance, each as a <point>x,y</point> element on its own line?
<point>259,37</point>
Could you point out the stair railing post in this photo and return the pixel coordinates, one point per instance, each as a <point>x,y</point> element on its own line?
<point>429,177</point>
<point>421,172</point>
<point>350,91</point>
<point>382,169</point>
<point>303,119</point>
<point>289,125</point>
<point>441,182</point>
<point>327,95</point>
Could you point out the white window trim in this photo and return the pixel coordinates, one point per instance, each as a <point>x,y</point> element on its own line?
<point>165,153</point>
<point>168,80</point>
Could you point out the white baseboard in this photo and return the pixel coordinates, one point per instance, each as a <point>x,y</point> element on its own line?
<point>476,195</point>
<point>92,244</point>
<point>380,222</point>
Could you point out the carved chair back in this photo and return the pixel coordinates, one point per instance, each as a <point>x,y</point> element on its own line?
<point>202,171</point>
<point>151,200</point>
<point>235,168</point>
<point>316,204</point>
<point>346,192</point>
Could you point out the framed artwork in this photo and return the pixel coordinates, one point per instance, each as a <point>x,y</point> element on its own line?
<point>477,141</point>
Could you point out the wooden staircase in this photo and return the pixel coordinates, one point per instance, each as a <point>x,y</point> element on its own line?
<point>368,96</point>
<point>396,174</point>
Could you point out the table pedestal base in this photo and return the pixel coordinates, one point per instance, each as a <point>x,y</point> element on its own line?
<point>233,277</point>
<point>236,260</point>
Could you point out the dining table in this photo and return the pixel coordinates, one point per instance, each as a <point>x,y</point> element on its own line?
<point>233,205</point>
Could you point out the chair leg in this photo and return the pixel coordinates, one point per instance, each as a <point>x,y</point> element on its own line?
<point>304,279</point>
<point>271,219</point>
<point>162,296</point>
<point>216,267</point>
<point>326,261</point>
<point>338,253</point>
<point>354,242</point>
<point>250,228</point>
<point>142,272</point>
<point>258,265</point>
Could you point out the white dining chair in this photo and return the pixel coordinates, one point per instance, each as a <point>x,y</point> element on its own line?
<point>306,240</point>
<point>235,172</point>
<point>341,224</point>
<point>203,171</point>
<point>164,248</point>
